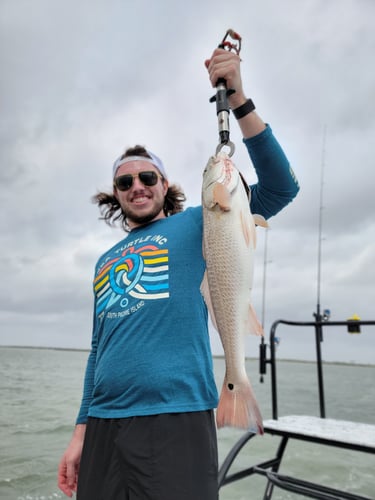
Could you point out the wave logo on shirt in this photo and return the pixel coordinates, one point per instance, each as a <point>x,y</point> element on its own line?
<point>141,273</point>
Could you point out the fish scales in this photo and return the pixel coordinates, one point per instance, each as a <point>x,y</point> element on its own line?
<point>228,247</point>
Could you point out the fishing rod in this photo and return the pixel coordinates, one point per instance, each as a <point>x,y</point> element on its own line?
<point>222,94</point>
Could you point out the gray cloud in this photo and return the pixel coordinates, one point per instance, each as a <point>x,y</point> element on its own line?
<point>81,81</point>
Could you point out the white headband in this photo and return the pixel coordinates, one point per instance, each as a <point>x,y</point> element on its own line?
<point>154,160</point>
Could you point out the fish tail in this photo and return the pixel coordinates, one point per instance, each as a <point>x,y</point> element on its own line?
<point>238,408</point>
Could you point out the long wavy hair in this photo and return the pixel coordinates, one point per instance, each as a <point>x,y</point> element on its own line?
<point>110,208</point>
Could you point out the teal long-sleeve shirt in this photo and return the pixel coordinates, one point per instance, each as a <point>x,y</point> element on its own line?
<point>150,350</point>
<point>277,185</point>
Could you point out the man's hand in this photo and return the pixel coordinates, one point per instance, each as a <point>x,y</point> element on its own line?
<point>225,64</point>
<point>69,464</point>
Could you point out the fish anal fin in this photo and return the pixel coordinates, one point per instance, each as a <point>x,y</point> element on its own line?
<point>255,326</point>
<point>222,196</point>
<point>238,407</point>
<point>205,291</point>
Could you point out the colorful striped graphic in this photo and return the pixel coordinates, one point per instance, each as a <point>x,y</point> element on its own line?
<point>140,273</point>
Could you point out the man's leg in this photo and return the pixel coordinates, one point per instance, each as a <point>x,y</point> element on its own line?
<point>100,475</point>
<point>170,457</point>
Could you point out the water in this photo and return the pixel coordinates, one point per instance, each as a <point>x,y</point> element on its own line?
<point>40,395</point>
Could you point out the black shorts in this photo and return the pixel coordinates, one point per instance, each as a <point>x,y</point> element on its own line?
<point>159,457</point>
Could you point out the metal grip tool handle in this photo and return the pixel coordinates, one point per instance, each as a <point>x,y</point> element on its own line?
<point>221,97</point>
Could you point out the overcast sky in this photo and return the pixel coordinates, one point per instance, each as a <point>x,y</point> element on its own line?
<point>82,80</point>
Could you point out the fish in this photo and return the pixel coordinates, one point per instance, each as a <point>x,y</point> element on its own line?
<point>229,240</point>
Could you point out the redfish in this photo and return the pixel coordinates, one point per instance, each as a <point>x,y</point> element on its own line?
<point>229,240</point>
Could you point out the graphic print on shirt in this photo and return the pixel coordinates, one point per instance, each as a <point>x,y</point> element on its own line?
<point>138,272</point>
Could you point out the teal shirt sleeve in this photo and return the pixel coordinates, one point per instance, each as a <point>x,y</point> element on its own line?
<point>88,385</point>
<point>277,185</point>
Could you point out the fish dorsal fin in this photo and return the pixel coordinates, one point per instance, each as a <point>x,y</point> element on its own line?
<point>260,220</point>
<point>222,196</point>
<point>205,291</point>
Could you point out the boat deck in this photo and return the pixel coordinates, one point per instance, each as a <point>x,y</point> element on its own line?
<point>355,436</point>
<point>344,434</point>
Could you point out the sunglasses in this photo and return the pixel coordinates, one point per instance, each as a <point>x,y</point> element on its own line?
<point>148,178</point>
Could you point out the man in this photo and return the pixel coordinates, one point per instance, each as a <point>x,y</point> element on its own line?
<point>146,428</point>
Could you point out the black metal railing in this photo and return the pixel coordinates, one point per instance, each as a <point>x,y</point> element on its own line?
<point>318,327</point>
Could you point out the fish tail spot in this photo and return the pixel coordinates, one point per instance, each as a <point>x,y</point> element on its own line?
<point>230,387</point>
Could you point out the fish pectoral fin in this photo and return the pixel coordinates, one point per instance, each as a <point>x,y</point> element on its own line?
<point>255,326</point>
<point>205,291</point>
<point>248,230</point>
<point>222,196</point>
<point>260,220</point>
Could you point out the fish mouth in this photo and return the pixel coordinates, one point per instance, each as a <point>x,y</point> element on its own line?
<point>218,178</point>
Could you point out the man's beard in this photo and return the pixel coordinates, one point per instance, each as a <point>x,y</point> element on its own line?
<point>144,219</point>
